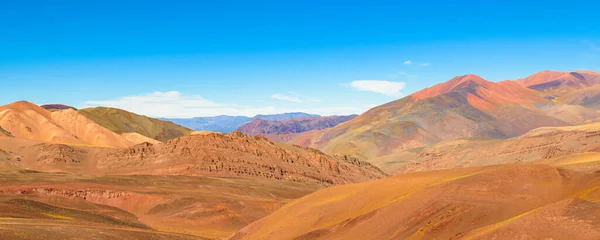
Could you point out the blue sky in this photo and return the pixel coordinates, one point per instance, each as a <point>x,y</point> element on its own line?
<point>201,58</point>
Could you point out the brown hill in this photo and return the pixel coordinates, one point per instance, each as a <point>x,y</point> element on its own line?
<point>29,121</point>
<point>588,97</point>
<point>505,202</point>
<point>207,185</point>
<point>121,121</point>
<point>34,205</point>
<point>88,131</point>
<point>236,154</point>
<point>137,138</point>
<point>201,155</point>
<point>465,106</point>
<point>558,83</point>
<point>541,143</point>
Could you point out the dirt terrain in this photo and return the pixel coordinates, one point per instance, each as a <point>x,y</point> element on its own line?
<point>202,155</point>
<point>136,206</point>
<point>523,201</point>
<point>538,144</point>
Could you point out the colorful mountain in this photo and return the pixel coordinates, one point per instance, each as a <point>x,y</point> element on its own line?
<point>559,83</point>
<point>465,106</point>
<point>286,129</point>
<point>121,121</point>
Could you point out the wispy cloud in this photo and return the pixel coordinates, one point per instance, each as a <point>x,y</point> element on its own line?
<point>425,64</point>
<point>283,97</point>
<point>389,88</point>
<point>396,74</point>
<point>407,62</point>
<point>174,104</point>
<point>592,46</point>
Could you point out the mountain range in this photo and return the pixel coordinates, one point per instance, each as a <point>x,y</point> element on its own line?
<point>227,124</point>
<point>465,106</point>
<point>467,158</point>
<point>67,172</point>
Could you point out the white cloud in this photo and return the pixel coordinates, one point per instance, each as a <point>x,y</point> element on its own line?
<point>425,64</point>
<point>286,98</point>
<point>407,62</point>
<point>174,104</point>
<point>388,88</point>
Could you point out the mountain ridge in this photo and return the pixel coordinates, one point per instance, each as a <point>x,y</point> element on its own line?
<point>227,124</point>
<point>122,121</point>
<point>464,106</point>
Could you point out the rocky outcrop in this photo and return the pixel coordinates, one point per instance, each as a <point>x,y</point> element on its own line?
<point>237,154</point>
<point>5,133</point>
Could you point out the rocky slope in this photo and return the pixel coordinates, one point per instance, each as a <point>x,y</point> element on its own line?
<point>65,206</point>
<point>87,130</point>
<point>211,154</point>
<point>236,154</point>
<point>137,138</point>
<point>504,202</point>
<point>25,120</point>
<point>5,133</point>
<point>121,121</point>
<point>559,83</point>
<point>29,121</point>
<point>462,107</point>
<point>538,144</point>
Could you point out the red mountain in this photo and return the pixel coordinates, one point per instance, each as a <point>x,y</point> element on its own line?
<point>464,106</point>
<point>560,82</point>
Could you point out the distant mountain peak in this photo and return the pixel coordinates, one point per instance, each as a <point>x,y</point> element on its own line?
<point>55,107</point>
<point>469,78</point>
<point>465,81</point>
<point>587,72</point>
<point>558,81</point>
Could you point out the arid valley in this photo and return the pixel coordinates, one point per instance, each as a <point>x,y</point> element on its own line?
<point>464,159</point>
<point>299,120</point>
